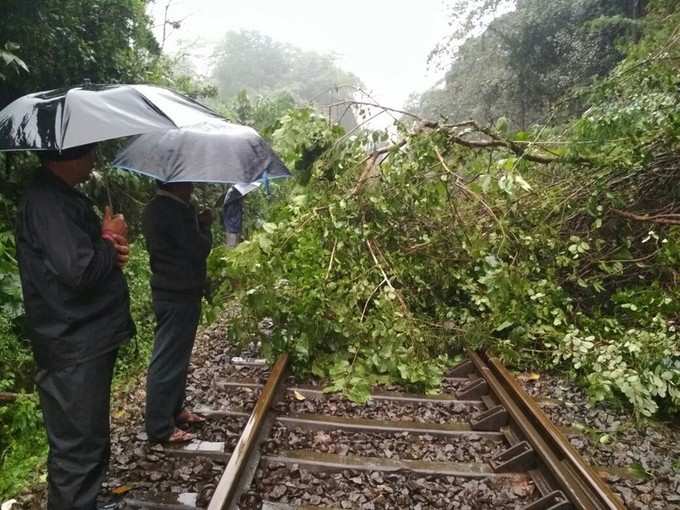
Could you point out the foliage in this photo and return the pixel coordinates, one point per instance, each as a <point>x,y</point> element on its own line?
<point>382,267</point>
<point>524,62</point>
<point>65,42</point>
<point>133,357</point>
<point>8,59</point>
<point>263,113</point>
<point>22,440</point>
<point>22,422</point>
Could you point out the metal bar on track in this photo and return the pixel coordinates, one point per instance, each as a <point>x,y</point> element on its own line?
<point>395,396</point>
<point>318,461</point>
<point>370,425</point>
<point>225,492</point>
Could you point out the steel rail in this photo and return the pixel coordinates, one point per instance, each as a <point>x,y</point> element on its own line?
<point>226,490</point>
<point>580,484</point>
<point>557,440</point>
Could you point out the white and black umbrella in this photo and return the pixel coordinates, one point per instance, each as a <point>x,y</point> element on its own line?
<point>215,151</point>
<point>65,118</point>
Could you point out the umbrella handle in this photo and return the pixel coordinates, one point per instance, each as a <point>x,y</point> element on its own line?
<point>108,190</point>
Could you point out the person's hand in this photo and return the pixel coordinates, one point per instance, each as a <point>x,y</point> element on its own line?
<point>114,224</point>
<point>122,247</point>
<point>205,217</point>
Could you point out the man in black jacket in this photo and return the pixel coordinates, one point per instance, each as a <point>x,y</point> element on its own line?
<point>77,313</point>
<point>179,242</point>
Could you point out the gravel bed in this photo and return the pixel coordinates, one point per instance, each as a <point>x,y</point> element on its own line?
<point>252,374</point>
<point>404,445</point>
<point>138,467</point>
<point>611,438</point>
<point>335,405</point>
<point>226,430</point>
<point>368,491</point>
<point>152,473</point>
<point>230,399</point>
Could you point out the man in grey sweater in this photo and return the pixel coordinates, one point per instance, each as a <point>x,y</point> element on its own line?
<point>179,241</point>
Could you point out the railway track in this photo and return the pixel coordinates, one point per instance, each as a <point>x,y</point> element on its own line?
<point>483,444</point>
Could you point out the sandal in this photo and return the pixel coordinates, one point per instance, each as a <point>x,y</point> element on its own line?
<point>180,436</point>
<point>187,417</point>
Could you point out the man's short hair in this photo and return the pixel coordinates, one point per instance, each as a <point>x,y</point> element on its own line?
<point>67,154</point>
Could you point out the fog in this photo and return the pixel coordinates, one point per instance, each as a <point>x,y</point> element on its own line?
<point>385,43</point>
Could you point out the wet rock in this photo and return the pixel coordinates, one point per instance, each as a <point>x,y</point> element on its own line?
<point>646,449</point>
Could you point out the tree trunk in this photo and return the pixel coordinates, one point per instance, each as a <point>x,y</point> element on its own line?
<point>637,9</point>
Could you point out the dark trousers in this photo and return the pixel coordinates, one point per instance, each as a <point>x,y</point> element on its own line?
<point>176,324</point>
<point>75,403</point>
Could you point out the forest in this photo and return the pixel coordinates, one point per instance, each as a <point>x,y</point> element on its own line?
<point>525,204</point>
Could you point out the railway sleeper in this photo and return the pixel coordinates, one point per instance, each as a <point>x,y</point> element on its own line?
<point>161,503</point>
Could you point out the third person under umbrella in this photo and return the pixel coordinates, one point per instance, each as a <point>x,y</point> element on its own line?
<point>232,216</point>
<point>179,241</point>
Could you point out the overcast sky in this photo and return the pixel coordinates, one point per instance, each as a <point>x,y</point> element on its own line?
<point>385,43</point>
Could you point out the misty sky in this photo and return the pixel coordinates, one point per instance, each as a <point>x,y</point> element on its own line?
<point>385,43</point>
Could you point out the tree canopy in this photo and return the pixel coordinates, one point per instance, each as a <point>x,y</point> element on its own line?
<point>254,62</point>
<point>527,60</point>
<point>65,42</point>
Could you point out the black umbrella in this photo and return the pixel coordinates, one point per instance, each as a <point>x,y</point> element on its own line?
<point>65,118</point>
<point>216,151</point>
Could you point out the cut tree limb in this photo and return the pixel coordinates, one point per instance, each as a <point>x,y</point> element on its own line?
<point>402,302</point>
<point>662,219</point>
<point>469,192</point>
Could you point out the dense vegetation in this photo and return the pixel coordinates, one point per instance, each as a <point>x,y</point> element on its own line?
<point>554,246</point>
<point>529,59</point>
<point>530,206</point>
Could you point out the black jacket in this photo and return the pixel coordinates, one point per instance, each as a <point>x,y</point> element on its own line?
<point>178,246</point>
<point>76,299</point>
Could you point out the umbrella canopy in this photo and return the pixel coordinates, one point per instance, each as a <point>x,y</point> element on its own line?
<point>218,152</point>
<point>65,118</point>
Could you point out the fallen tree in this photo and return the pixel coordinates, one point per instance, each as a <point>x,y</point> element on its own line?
<point>537,245</point>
